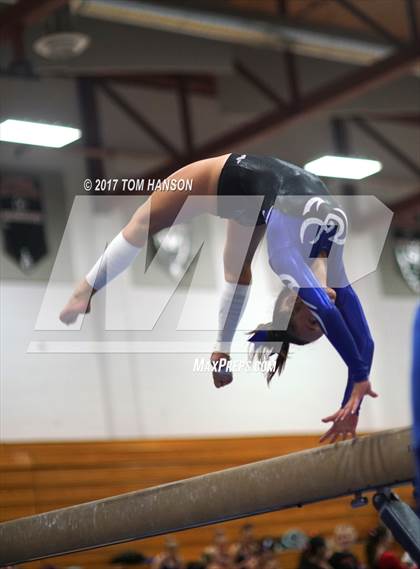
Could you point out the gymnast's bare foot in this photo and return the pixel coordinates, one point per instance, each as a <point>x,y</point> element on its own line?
<point>78,303</point>
<point>221,376</point>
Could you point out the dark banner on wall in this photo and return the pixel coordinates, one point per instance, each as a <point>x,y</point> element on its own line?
<point>407,254</point>
<point>22,219</point>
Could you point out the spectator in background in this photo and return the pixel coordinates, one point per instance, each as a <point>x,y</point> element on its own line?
<point>218,555</point>
<point>378,550</point>
<point>169,558</point>
<point>271,563</point>
<point>267,556</point>
<point>315,555</point>
<point>247,547</point>
<point>128,558</point>
<point>343,540</point>
<point>406,559</point>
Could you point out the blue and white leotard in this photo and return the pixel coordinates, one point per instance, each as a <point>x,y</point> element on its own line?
<point>302,220</point>
<point>343,322</point>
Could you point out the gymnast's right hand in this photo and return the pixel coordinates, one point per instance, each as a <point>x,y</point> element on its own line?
<point>78,303</point>
<point>221,375</point>
<point>360,390</point>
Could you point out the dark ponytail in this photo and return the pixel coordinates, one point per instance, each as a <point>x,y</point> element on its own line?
<point>266,338</point>
<point>264,350</point>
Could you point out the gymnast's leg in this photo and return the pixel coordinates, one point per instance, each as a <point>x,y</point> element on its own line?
<point>159,212</point>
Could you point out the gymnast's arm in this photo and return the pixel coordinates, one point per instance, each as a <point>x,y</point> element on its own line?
<point>290,262</point>
<point>349,305</point>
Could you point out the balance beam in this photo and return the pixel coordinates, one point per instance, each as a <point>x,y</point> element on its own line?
<point>367,463</point>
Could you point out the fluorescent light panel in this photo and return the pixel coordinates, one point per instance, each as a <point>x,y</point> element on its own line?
<point>343,167</point>
<point>38,134</point>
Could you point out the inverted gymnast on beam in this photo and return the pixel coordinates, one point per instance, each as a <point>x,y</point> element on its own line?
<point>314,307</point>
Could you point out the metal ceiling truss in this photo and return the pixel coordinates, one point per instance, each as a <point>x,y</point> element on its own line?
<point>26,13</point>
<point>369,21</point>
<point>412,19</point>
<point>387,144</point>
<point>185,115</point>
<point>342,145</point>
<point>91,126</point>
<point>285,113</point>
<point>138,119</point>
<point>272,121</point>
<point>259,84</point>
<point>405,118</point>
<point>199,84</point>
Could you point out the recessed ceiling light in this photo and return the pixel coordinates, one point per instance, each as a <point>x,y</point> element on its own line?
<point>61,45</point>
<point>38,134</point>
<point>343,167</point>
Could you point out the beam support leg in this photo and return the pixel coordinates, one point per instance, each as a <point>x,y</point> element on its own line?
<point>401,520</point>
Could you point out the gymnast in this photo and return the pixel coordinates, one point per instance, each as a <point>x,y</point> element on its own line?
<point>305,254</point>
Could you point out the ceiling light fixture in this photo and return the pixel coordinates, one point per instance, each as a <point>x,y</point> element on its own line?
<point>38,134</point>
<point>343,167</point>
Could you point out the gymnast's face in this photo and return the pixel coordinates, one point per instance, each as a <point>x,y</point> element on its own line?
<point>303,324</point>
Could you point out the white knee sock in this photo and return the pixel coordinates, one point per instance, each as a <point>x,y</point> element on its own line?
<point>116,258</point>
<point>232,305</point>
